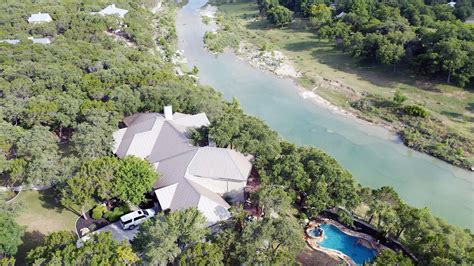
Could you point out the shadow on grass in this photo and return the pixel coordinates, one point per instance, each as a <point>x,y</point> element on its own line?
<point>30,241</point>
<point>259,24</point>
<point>49,200</point>
<point>377,74</point>
<point>470,107</point>
<point>301,46</point>
<point>453,115</point>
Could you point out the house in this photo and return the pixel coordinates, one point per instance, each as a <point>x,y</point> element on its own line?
<point>190,176</point>
<point>113,10</point>
<point>10,41</point>
<point>39,18</point>
<point>40,40</point>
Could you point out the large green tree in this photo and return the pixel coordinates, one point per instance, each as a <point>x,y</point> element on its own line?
<point>133,179</point>
<point>279,16</point>
<point>271,240</point>
<point>100,249</point>
<point>202,253</point>
<point>39,148</point>
<point>160,239</point>
<point>10,235</point>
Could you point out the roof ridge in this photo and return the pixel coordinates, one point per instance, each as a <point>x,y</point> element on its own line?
<point>194,183</point>
<point>233,162</point>
<point>176,155</point>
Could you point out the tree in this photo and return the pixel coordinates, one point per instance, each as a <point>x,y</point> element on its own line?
<point>39,148</point>
<point>279,16</point>
<point>156,240</point>
<point>162,238</point>
<point>265,5</point>
<point>133,179</point>
<point>11,209</point>
<point>227,241</point>
<point>93,182</point>
<point>274,199</point>
<point>10,235</point>
<point>272,241</point>
<point>247,134</point>
<point>126,100</point>
<point>101,249</point>
<point>452,56</point>
<point>190,224</point>
<point>390,257</point>
<point>93,137</point>
<point>202,253</point>
<point>390,53</point>
<point>320,15</point>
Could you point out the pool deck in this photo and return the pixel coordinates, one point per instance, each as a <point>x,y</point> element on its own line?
<point>313,242</point>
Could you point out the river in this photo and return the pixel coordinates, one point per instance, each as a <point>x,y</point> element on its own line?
<point>372,154</point>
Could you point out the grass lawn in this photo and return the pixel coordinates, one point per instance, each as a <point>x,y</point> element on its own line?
<point>41,216</point>
<point>318,59</point>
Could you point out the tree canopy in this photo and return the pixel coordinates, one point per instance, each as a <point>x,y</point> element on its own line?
<point>162,238</point>
<point>108,177</point>
<point>101,249</point>
<point>10,235</point>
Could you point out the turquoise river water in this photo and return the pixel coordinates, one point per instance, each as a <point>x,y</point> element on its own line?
<point>371,153</point>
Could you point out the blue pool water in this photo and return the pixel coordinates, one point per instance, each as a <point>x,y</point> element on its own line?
<point>338,240</point>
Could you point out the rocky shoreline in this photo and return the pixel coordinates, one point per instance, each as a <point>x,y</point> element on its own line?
<point>278,64</point>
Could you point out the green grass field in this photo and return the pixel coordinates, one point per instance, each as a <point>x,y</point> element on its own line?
<point>41,215</point>
<point>318,59</point>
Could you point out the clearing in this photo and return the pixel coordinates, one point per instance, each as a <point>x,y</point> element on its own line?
<point>42,214</point>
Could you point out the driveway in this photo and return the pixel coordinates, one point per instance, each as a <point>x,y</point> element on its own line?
<point>118,233</point>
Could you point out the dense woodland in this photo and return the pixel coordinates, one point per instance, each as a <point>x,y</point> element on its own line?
<point>61,102</point>
<point>429,35</point>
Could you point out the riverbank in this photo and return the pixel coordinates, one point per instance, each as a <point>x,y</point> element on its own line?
<point>267,48</point>
<point>277,63</point>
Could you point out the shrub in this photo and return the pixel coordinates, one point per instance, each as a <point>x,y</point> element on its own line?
<point>415,110</point>
<point>399,97</point>
<point>115,214</point>
<point>98,212</point>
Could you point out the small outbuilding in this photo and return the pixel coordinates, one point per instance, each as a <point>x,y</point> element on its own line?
<point>39,18</point>
<point>45,40</point>
<point>10,41</point>
<point>113,10</point>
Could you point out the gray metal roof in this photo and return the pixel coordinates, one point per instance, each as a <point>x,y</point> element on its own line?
<point>113,10</point>
<point>170,142</point>
<point>39,17</point>
<point>139,124</point>
<point>173,169</point>
<point>220,163</point>
<point>41,40</point>
<point>11,41</point>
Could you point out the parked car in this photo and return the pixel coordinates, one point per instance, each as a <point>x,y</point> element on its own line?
<point>131,220</point>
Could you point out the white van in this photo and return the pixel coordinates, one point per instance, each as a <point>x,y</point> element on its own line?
<point>131,220</point>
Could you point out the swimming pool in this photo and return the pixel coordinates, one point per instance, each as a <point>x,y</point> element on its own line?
<point>338,240</point>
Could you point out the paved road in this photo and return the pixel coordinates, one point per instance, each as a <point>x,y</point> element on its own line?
<point>118,233</point>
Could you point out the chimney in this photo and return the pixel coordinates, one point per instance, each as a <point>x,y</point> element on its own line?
<point>168,112</point>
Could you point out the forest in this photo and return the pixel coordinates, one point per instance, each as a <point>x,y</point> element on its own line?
<point>429,35</point>
<point>61,102</point>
